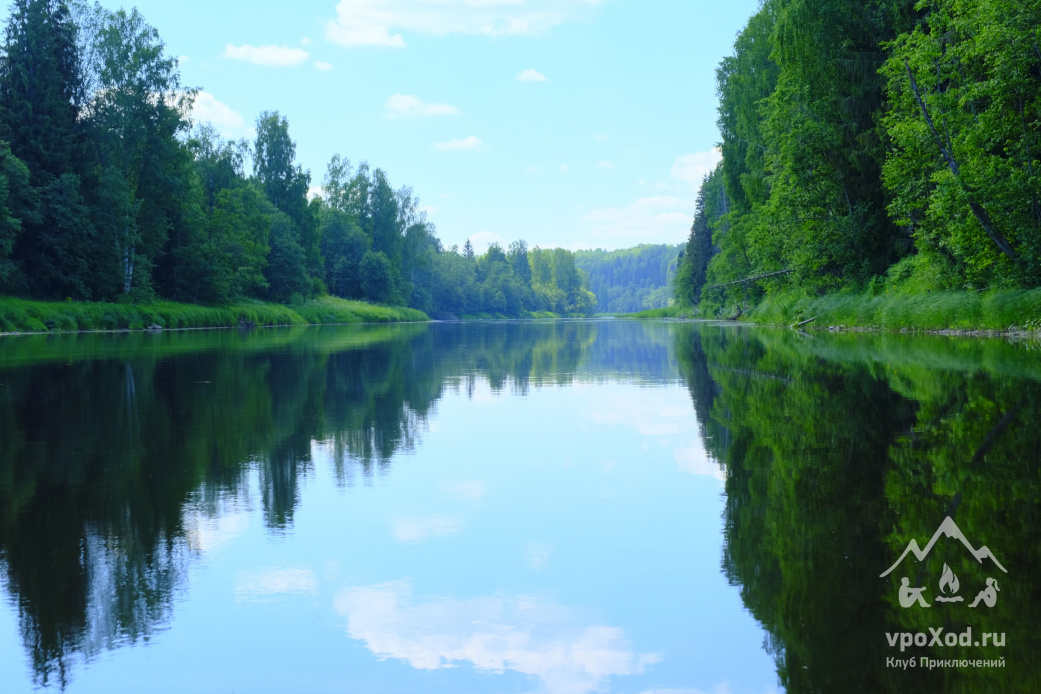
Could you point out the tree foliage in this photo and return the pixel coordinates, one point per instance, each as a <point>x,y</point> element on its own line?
<point>856,134</point>
<point>632,279</point>
<point>108,191</point>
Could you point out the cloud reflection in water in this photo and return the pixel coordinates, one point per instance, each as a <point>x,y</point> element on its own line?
<point>525,635</point>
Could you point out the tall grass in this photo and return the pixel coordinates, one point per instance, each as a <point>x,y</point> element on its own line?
<point>20,315</point>
<point>667,312</point>
<point>997,309</point>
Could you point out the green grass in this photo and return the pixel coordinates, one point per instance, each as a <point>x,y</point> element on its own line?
<point>527,315</point>
<point>20,315</point>
<point>997,309</point>
<point>667,312</point>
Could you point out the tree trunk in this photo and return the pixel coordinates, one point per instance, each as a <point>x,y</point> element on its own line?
<point>981,214</point>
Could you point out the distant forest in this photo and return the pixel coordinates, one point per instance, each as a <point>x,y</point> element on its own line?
<point>109,192</point>
<point>874,145</point>
<point>629,280</point>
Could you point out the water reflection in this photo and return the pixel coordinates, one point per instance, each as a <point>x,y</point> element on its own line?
<point>522,634</point>
<point>838,451</point>
<point>120,455</point>
<point>124,459</point>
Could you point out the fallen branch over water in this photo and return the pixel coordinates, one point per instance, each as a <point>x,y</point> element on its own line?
<point>748,279</point>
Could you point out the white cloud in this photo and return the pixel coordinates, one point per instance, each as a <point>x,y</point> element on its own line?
<point>207,109</point>
<point>663,218</point>
<point>692,168</point>
<point>531,76</point>
<point>419,529</point>
<point>380,22</point>
<point>183,58</point>
<point>653,219</point>
<point>532,169</point>
<point>280,56</point>
<point>322,65</point>
<point>264,585</point>
<point>521,634</point>
<point>564,168</point>
<point>405,105</point>
<point>600,138</point>
<point>467,143</point>
<point>482,239</point>
<point>306,41</point>
<point>429,209</point>
<point>605,165</point>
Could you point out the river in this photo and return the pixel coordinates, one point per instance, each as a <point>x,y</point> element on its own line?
<point>562,507</point>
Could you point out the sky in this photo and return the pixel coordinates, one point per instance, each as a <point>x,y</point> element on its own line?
<point>573,123</point>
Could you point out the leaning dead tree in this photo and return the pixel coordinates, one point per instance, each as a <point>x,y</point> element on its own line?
<point>747,280</point>
<point>948,154</point>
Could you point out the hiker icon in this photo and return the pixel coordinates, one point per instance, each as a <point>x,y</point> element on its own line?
<point>909,595</point>
<point>988,595</point>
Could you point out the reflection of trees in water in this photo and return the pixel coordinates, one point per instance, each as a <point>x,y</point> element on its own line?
<point>840,450</point>
<point>107,459</point>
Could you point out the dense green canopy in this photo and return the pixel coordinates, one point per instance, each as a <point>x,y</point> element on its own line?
<point>872,142</point>
<point>109,192</point>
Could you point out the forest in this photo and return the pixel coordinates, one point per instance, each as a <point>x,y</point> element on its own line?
<point>109,192</point>
<point>873,146</point>
<point>630,279</point>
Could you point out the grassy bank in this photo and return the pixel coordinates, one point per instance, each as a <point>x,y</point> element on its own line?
<point>527,315</point>
<point>998,309</point>
<point>19,315</point>
<point>667,312</point>
<point>1014,310</point>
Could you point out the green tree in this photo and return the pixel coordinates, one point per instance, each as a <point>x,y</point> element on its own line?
<point>377,280</point>
<point>344,245</point>
<point>236,247</point>
<point>41,89</point>
<point>18,202</point>
<point>41,94</point>
<point>286,272</point>
<point>965,117</point>
<point>693,267</point>
<point>286,184</point>
<point>137,126</point>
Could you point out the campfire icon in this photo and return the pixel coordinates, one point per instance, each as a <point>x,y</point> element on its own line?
<point>949,583</point>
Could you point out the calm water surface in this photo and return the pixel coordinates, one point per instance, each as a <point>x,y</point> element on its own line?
<point>567,508</point>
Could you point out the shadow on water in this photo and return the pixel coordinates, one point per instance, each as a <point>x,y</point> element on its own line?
<point>838,451</point>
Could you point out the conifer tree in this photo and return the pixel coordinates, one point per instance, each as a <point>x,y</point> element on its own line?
<point>41,89</point>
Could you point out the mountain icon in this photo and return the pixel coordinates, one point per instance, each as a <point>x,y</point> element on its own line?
<point>947,528</point>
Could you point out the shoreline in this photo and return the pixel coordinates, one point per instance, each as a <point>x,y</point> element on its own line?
<point>1008,313</point>
<point>28,317</point>
<point>159,331</point>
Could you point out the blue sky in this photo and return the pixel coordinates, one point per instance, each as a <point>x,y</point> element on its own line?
<point>575,123</point>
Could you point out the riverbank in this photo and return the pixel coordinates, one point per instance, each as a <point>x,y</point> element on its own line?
<point>958,312</point>
<point>667,312</point>
<point>997,311</point>
<point>24,316</point>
